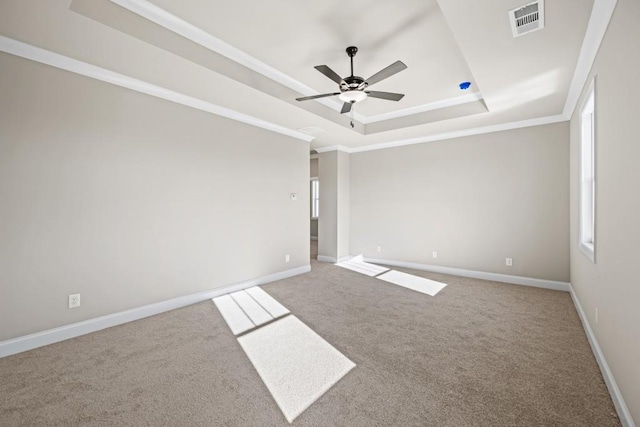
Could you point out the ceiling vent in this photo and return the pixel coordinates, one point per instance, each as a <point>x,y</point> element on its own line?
<point>527,18</point>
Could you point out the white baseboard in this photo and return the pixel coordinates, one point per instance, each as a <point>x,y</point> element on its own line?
<point>39,339</point>
<point>314,237</point>
<point>516,280</point>
<point>614,391</point>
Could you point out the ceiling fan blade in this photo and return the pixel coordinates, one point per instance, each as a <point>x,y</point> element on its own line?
<point>392,69</point>
<point>346,107</point>
<point>323,95</point>
<point>329,73</point>
<point>385,95</point>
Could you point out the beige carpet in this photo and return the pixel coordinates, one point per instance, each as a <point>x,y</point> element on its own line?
<point>477,354</point>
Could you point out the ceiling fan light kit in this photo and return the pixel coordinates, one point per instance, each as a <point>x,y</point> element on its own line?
<point>352,88</point>
<point>352,96</point>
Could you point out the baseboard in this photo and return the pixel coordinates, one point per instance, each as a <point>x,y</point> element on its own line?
<point>39,339</point>
<point>314,237</point>
<point>614,391</point>
<point>516,280</point>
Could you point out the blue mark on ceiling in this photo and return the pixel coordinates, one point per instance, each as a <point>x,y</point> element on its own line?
<point>465,85</point>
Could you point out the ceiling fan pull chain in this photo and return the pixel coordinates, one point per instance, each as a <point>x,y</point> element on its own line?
<point>351,117</point>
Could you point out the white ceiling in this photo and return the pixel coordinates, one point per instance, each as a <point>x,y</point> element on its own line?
<point>293,39</point>
<point>264,52</point>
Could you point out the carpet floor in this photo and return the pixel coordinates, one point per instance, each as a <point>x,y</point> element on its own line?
<point>479,353</point>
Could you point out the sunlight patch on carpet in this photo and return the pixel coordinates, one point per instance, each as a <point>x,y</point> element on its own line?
<point>247,309</point>
<point>358,265</point>
<point>267,302</point>
<point>236,319</point>
<point>409,281</point>
<point>296,364</point>
<point>256,313</point>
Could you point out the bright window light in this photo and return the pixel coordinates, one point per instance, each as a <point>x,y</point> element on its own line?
<point>588,176</point>
<point>315,198</point>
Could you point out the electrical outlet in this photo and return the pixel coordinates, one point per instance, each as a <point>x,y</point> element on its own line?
<point>74,300</point>
<point>434,254</point>
<point>378,248</point>
<point>597,316</point>
<point>287,258</point>
<point>509,262</point>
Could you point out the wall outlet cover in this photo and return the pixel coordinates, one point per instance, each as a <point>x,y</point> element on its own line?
<point>74,300</point>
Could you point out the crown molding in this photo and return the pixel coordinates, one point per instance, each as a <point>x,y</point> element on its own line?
<point>450,135</point>
<point>334,148</point>
<point>167,20</point>
<point>450,102</point>
<point>33,53</point>
<point>596,29</point>
<point>466,132</point>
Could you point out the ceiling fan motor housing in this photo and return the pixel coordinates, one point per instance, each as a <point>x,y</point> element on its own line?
<point>353,83</point>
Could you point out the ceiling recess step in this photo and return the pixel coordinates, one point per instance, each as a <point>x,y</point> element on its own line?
<point>527,18</point>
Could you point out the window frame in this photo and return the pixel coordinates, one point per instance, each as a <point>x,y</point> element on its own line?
<point>587,158</point>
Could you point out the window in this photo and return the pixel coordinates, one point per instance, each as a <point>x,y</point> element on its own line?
<point>315,198</point>
<point>587,176</point>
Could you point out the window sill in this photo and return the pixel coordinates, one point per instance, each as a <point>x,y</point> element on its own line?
<point>588,250</point>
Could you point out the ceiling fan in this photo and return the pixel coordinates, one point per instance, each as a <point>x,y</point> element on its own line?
<point>352,88</point>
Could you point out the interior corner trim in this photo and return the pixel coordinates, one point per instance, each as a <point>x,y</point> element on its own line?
<point>37,54</point>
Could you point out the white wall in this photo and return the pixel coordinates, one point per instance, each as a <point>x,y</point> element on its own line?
<point>475,200</point>
<point>612,284</point>
<point>131,200</point>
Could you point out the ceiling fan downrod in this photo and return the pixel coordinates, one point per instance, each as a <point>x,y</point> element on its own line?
<point>351,51</point>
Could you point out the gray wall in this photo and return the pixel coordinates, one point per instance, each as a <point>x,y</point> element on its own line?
<point>333,222</point>
<point>612,283</point>
<point>475,200</point>
<point>131,200</point>
<point>344,204</point>
<point>328,215</point>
